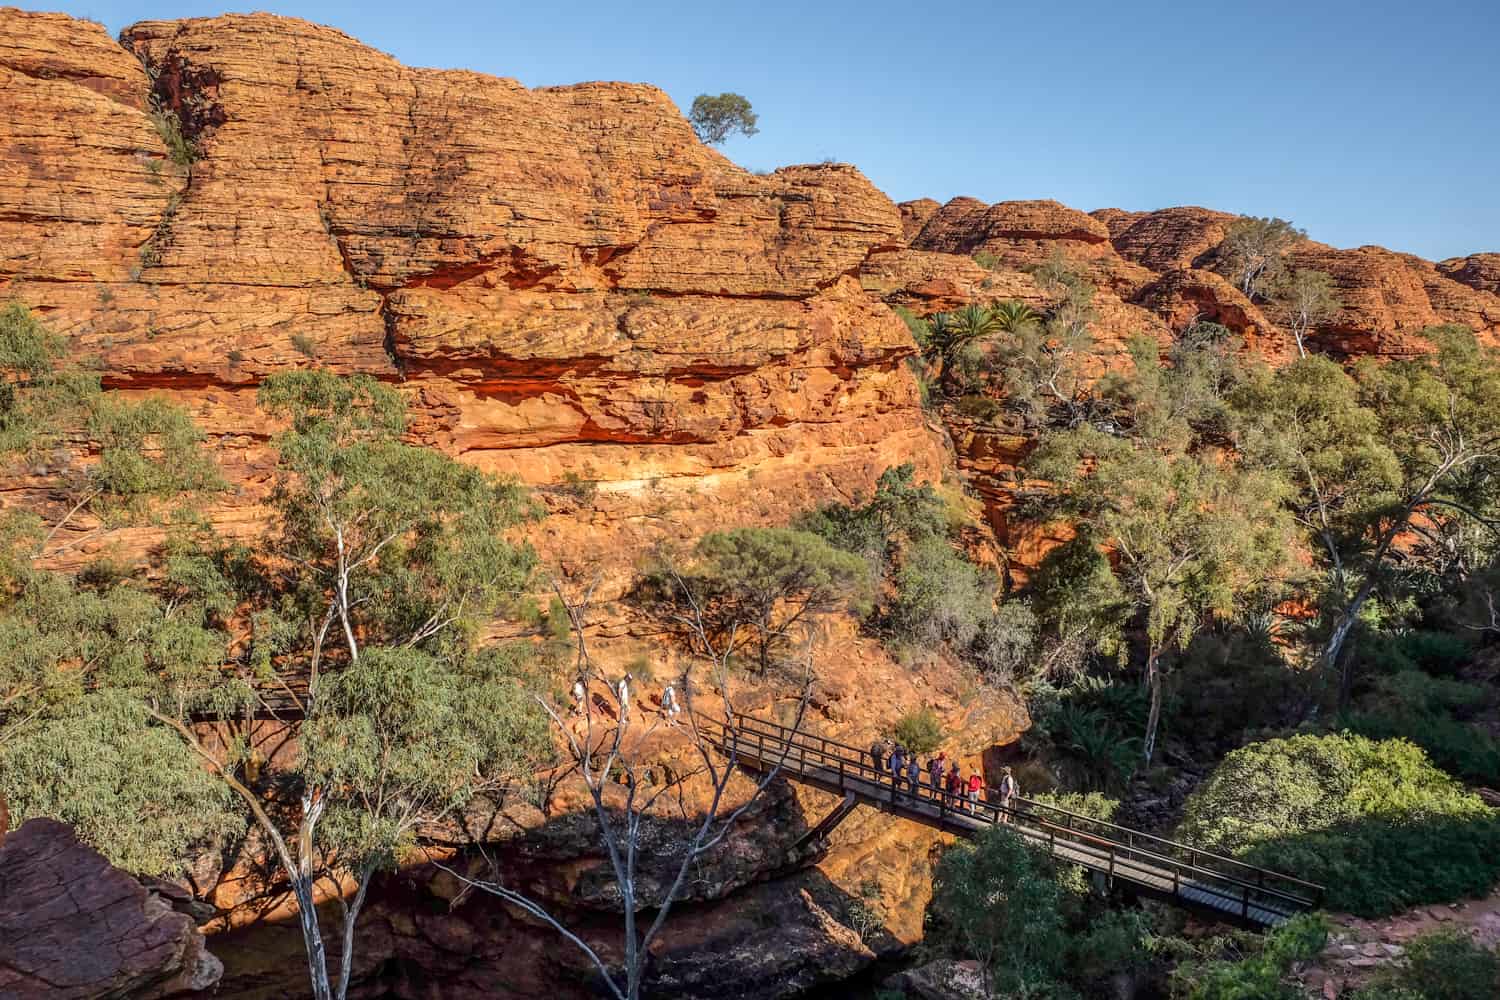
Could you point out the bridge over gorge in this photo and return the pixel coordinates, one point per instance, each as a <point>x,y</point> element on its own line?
<point>1152,866</point>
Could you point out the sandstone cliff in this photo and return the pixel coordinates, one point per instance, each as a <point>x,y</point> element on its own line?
<point>569,288</point>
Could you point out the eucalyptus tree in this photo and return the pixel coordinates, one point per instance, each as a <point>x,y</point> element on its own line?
<point>1253,252</point>
<point>657,822</point>
<point>1379,458</point>
<point>348,635</point>
<point>1309,297</point>
<point>1191,532</point>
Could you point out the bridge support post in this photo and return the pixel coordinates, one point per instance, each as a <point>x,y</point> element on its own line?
<point>819,833</point>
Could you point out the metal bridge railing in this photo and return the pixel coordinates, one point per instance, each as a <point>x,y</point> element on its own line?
<point>1116,850</point>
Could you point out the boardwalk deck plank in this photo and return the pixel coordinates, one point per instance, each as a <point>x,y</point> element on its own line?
<point>839,769</point>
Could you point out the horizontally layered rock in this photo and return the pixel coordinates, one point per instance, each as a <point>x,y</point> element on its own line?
<point>568,288</point>
<point>564,280</point>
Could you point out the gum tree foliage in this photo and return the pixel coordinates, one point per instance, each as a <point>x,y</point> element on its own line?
<point>995,900</point>
<point>902,512</point>
<point>1409,448</point>
<point>1253,251</point>
<point>716,117</point>
<point>1309,298</point>
<point>1374,822</point>
<point>933,594</point>
<point>362,607</point>
<point>1042,367</point>
<point>147,450</point>
<point>74,741</point>
<point>759,588</point>
<point>352,624</point>
<point>1191,531</point>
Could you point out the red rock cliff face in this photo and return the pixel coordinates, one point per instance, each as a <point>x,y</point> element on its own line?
<point>563,280</point>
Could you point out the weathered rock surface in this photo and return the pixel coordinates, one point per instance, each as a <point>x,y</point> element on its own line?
<point>1479,270</point>
<point>563,280</point>
<point>73,926</point>
<point>944,979</point>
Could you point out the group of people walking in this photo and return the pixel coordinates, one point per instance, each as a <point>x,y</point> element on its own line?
<point>945,778</point>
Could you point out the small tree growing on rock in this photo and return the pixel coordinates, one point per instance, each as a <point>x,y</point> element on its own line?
<point>716,118</point>
<point>1253,252</point>
<point>1310,298</point>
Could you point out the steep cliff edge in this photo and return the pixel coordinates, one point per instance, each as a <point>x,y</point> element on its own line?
<point>562,280</point>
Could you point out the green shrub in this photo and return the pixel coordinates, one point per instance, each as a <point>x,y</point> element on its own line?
<point>1441,653</point>
<point>919,731</point>
<point>1459,748</point>
<point>1090,804</point>
<point>305,345</point>
<point>1416,706</point>
<point>1263,974</point>
<point>1443,965</point>
<point>1374,822</point>
<point>169,127</point>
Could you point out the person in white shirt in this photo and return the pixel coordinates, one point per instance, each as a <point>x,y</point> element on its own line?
<point>669,706</point>
<point>579,693</point>
<point>624,692</point>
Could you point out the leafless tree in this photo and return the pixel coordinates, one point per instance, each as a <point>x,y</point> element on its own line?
<point>608,756</point>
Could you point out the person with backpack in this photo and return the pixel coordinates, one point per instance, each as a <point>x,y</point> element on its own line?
<point>877,755</point>
<point>898,765</point>
<point>1009,790</point>
<point>954,779</point>
<point>935,768</point>
<point>914,775</point>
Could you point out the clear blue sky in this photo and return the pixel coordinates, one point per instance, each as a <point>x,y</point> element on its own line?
<point>1363,122</point>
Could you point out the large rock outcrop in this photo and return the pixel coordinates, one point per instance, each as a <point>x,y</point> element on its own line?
<point>564,280</point>
<point>73,926</point>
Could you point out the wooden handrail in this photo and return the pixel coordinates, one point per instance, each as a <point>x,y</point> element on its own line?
<point>1082,829</point>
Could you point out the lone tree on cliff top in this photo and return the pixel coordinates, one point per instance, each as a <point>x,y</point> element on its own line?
<point>717,118</point>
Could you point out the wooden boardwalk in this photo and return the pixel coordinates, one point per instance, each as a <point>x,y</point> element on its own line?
<point>1164,869</point>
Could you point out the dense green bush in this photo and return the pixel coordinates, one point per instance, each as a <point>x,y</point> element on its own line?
<point>919,731</point>
<point>1374,822</point>
<point>1443,965</point>
<point>934,594</point>
<point>1261,975</point>
<point>1441,653</point>
<point>1413,705</point>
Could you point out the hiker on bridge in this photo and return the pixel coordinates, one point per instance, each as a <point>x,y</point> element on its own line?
<point>935,768</point>
<point>1008,792</point>
<point>877,755</point>
<point>955,781</point>
<point>913,774</point>
<point>898,764</point>
<point>976,788</point>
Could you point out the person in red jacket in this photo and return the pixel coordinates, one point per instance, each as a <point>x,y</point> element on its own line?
<point>976,786</point>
